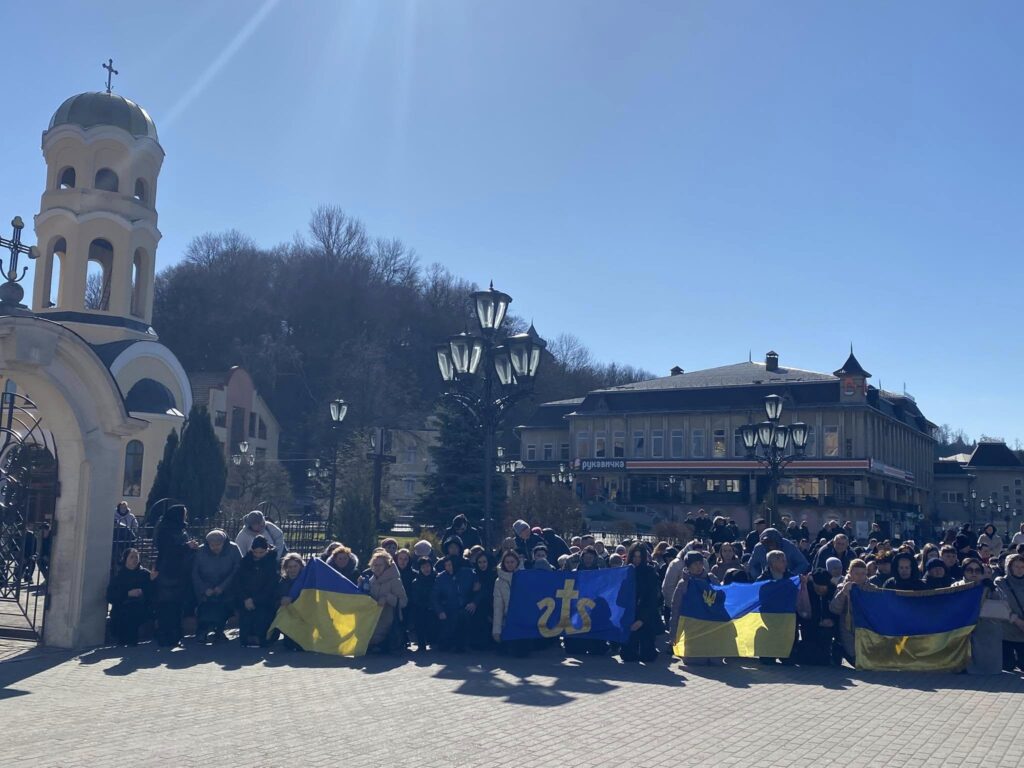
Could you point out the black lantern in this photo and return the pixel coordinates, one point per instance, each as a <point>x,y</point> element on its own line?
<point>773,407</point>
<point>491,307</point>
<point>503,366</point>
<point>525,350</point>
<point>466,352</point>
<point>338,410</point>
<point>798,434</point>
<point>749,434</point>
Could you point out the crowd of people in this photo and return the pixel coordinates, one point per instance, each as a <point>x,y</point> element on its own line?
<point>457,599</point>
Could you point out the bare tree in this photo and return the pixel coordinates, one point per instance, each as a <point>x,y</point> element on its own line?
<point>336,234</point>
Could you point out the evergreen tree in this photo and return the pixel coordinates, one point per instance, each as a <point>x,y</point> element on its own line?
<point>456,484</point>
<point>198,469</point>
<point>163,481</point>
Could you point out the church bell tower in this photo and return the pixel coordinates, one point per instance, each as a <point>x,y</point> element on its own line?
<point>97,224</point>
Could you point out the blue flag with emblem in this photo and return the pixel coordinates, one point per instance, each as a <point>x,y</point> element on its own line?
<point>594,605</point>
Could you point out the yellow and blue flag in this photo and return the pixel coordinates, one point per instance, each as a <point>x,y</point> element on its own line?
<point>920,631</point>
<point>744,620</point>
<point>590,605</point>
<point>328,613</point>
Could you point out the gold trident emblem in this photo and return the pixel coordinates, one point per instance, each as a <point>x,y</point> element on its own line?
<point>709,597</point>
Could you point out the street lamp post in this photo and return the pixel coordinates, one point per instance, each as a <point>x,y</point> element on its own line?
<point>767,443</point>
<point>338,410</point>
<point>486,372</point>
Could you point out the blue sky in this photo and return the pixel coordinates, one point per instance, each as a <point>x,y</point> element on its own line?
<point>676,183</point>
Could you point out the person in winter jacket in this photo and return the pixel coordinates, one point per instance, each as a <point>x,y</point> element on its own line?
<point>694,576</point>
<point>727,559</point>
<point>526,540</point>
<point>771,540</point>
<point>935,576</point>
<point>292,566</point>
<point>213,575</point>
<point>990,538</point>
<point>255,524</point>
<point>905,574</point>
<point>818,629</point>
<point>451,601</point>
<point>345,562</point>
<point>468,535</point>
<point>540,559</point>
<point>987,637</point>
<point>556,544</point>
<point>842,608</point>
<point>883,570</point>
<point>174,549</point>
<point>257,593</point>
<point>838,548</point>
<point>481,623</point>
<point>721,530</point>
<point>1011,587</point>
<point>130,595</point>
<point>424,620</point>
<point>575,646</point>
<point>510,563</point>
<point>387,589</point>
<point>647,622</point>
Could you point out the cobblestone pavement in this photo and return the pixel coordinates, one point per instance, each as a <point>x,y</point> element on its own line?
<point>227,706</point>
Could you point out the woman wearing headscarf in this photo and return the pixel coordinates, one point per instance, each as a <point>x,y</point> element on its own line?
<point>174,550</point>
<point>818,628</point>
<point>987,637</point>
<point>991,538</point>
<point>130,596</point>
<point>904,573</point>
<point>480,623</point>
<point>1011,587</point>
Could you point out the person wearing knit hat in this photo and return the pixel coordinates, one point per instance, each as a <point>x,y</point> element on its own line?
<point>834,567</point>
<point>423,549</point>
<point>525,541</point>
<point>935,576</point>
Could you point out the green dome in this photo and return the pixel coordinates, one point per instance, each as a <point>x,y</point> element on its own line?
<point>88,110</point>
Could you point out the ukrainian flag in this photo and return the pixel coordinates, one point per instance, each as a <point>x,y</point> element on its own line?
<point>919,631</point>
<point>328,613</point>
<point>745,620</point>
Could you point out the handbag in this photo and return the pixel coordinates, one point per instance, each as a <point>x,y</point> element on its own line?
<point>995,609</point>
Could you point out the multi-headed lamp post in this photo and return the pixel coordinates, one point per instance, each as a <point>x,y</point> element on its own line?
<point>487,371</point>
<point>768,443</point>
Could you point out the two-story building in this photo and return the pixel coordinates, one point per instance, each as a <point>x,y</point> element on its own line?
<point>673,444</point>
<point>238,412</point>
<point>986,485</point>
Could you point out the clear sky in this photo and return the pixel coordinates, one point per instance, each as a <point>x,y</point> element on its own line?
<point>676,183</point>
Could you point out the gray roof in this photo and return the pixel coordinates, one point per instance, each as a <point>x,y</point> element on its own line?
<point>203,381</point>
<point>737,375</point>
<point>89,110</point>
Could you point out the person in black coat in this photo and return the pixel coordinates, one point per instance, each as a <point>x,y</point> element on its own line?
<point>556,544</point>
<point>479,625</point>
<point>258,598</point>
<point>647,622</point>
<point>818,632</point>
<point>174,548</point>
<point>905,574</point>
<point>130,594</point>
<point>468,535</point>
<point>424,620</point>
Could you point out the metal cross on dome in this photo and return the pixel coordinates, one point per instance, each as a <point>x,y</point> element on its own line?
<point>11,293</point>
<point>109,66</point>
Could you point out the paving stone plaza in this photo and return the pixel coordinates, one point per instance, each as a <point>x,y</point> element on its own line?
<point>207,706</point>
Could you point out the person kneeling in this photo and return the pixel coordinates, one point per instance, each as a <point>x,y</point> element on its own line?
<point>257,593</point>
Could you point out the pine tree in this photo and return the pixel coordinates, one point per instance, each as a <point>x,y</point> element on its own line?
<point>198,469</point>
<point>163,482</point>
<point>456,484</point>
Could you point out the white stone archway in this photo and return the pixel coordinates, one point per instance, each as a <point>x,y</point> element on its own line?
<point>81,405</point>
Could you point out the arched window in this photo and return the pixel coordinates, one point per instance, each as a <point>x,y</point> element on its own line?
<point>66,180</point>
<point>97,280</point>
<point>133,469</point>
<point>138,290</point>
<point>54,264</point>
<point>106,179</point>
<point>140,190</point>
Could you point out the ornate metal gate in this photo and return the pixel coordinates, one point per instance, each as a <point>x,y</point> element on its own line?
<point>28,488</point>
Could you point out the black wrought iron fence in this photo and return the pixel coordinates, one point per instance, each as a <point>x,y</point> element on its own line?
<point>308,537</point>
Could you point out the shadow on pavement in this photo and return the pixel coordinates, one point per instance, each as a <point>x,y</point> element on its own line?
<point>25,665</point>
